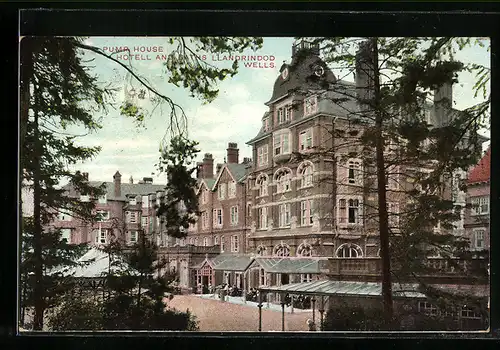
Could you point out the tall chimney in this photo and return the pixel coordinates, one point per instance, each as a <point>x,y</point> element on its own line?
<point>443,99</point>
<point>364,72</point>
<point>117,179</point>
<point>131,180</point>
<point>208,166</point>
<point>232,152</point>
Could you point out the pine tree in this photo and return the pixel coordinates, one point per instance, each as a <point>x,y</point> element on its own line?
<point>389,132</point>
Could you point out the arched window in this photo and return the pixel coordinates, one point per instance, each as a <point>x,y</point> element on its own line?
<point>281,250</point>
<point>348,250</point>
<point>305,174</point>
<point>262,184</point>
<point>304,250</point>
<point>216,240</point>
<point>183,242</point>
<point>283,178</point>
<point>261,250</point>
<point>196,241</point>
<point>191,241</point>
<point>205,242</point>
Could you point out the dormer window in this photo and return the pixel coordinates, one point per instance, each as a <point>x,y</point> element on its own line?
<point>310,105</point>
<point>284,114</point>
<point>265,124</point>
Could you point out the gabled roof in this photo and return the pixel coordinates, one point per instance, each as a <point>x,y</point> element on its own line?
<point>126,189</point>
<point>236,171</point>
<point>482,171</point>
<point>208,183</point>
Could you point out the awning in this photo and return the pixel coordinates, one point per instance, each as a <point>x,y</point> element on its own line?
<point>352,288</point>
<point>288,265</point>
<point>232,262</point>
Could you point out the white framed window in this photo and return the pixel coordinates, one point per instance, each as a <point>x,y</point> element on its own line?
<point>221,191</point>
<point>478,237</point>
<point>281,250</point>
<point>132,201</point>
<point>305,277</point>
<point>349,210</point>
<point>216,240</point>
<point>222,244</point>
<point>64,216</point>
<point>234,215</point>
<point>348,250</point>
<point>262,218</point>
<point>103,199</point>
<point>235,244</point>
<point>305,140</point>
<point>284,215</point>
<point>263,155</point>
<point>393,211</point>
<point>353,211</point>
<point>265,123</point>
<point>102,215</point>
<point>305,172</point>
<point>304,250</point>
<point>205,242</point>
<point>196,242</point>
<point>133,236</point>
<point>249,210</point>
<point>232,189</point>
<point>280,115</point>
<point>204,220</point>
<point>144,222</point>
<point>145,201</point>
<point>66,234</point>
<point>283,180</point>
<point>310,105</point>
<point>354,176</point>
<point>218,217</point>
<point>306,218</point>
<point>427,308</point>
<point>262,184</point>
<point>101,236</point>
<point>469,313</point>
<point>131,217</point>
<point>84,198</point>
<point>282,143</point>
<point>480,205</point>
<point>261,250</point>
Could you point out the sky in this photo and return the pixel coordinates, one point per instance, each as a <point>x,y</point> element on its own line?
<point>234,116</point>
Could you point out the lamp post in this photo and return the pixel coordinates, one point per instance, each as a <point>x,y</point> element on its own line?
<point>260,310</point>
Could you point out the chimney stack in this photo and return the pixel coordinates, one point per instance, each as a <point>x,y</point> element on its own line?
<point>247,160</point>
<point>117,179</point>
<point>131,180</point>
<point>208,166</point>
<point>443,100</point>
<point>219,167</point>
<point>232,153</point>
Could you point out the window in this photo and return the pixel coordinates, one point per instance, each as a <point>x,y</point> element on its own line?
<point>427,308</point>
<point>132,237</point>
<point>204,220</point>
<point>353,211</point>
<point>102,199</point>
<point>262,218</point>
<point>281,250</point>
<point>480,205</point>
<point>261,250</point>
<point>284,114</point>
<point>216,240</point>
<point>218,218</point>
<point>144,222</point>
<point>145,201</point>
<point>310,105</point>
<point>196,241</point>
<point>455,190</point>
<point>469,313</point>
<point>306,217</point>
<point>66,234</point>
<point>305,172</point>
<point>133,201</point>
<point>305,140</point>
<point>222,244</point>
<point>102,215</point>
<point>479,239</point>
<point>265,124</point>
<point>101,236</point>
<point>305,277</point>
<point>262,277</point>
<point>393,209</point>
<point>131,217</point>
<point>342,212</point>
<point>234,244</point>
<point>262,185</point>
<point>354,172</point>
<point>222,191</point>
<point>282,143</point>
<point>183,242</point>
<point>64,216</point>
<point>234,215</point>
<point>84,198</point>
<point>304,250</point>
<point>283,181</point>
<point>284,218</point>
<point>288,113</point>
<point>232,189</point>
<point>349,251</point>
<point>249,210</point>
<point>191,241</point>
<point>205,242</point>
<point>262,155</point>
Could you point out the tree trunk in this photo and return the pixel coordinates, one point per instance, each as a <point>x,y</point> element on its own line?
<point>381,185</point>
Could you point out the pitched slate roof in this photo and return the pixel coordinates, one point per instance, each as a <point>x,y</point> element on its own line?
<point>289,265</point>
<point>126,188</point>
<point>481,172</point>
<point>232,262</point>
<point>237,170</point>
